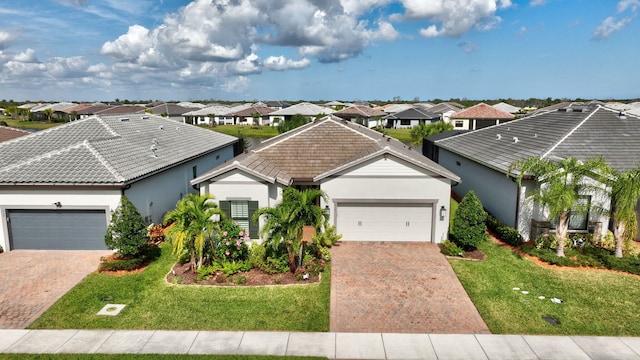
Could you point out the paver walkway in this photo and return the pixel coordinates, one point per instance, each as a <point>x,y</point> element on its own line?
<point>32,280</point>
<point>398,287</point>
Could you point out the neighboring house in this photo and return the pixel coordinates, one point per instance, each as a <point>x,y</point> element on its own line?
<point>7,133</point>
<point>168,110</point>
<point>478,116</point>
<point>254,115</point>
<point>377,188</point>
<point>363,115</point>
<point>205,116</point>
<point>410,117</point>
<point>277,104</point>
<point>483,157</point>
<point>57,111</point>
<point>59,187</point>
<point>305,109</point>
<point>445,109</point>
<point>502,106</point>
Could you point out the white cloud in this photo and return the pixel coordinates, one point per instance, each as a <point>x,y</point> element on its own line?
<point>280,63</point>
<point>608,27</point>
<point>533,3</point>
<point>522,30</point>
<point>454,17</point>
<point>237,85</point>
<point>7,38</point>
<point>628,4</point>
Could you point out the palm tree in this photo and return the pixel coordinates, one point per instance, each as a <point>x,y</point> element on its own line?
<point>625,193</point>
<point>193,224</point>
<point>422,130</point>
<point>284,222</point>
<point>562,183</point>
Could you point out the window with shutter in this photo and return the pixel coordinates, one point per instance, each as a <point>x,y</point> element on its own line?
<point>241,212</point>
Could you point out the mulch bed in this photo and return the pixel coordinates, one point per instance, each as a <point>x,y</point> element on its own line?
<point>182,274</point>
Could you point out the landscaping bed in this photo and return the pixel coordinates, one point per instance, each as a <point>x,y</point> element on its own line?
<point>182,274</point>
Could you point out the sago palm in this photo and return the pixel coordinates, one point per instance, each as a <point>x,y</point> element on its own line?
<point>625,192</point>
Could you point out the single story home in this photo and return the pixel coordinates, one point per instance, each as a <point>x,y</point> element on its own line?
<point>410,117</point>
<point>312,111</point>
<point>482,158</point>
<point>378,189</point>
<point>478,116</point>
<point>59,187</point>
<point>361,114</point>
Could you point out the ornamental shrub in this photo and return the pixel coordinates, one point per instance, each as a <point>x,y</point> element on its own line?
<point>127,232</point>
<point>469,229</point>
<point>504,232</point>
<point>232,244</point>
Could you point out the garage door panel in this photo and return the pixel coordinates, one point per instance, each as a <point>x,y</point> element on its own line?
<point>384,222</point>
<point>57,229</point>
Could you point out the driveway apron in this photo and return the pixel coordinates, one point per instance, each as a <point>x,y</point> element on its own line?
<point>398,287</point>
<point>32,280</point>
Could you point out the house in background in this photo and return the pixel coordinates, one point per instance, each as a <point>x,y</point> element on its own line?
<point>312,111</point>
<point>59,187</point>
<point>7,133</point>
<point>378,189</point>
<point>503,106</point>
<point>478,116</point>
<point>361,114</point>
<point>410,117</point>
<point>482,159</point>
<point>445,109</point>
<point>253,115</point>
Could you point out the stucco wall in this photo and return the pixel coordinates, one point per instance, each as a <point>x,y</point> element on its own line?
<point>156,195</point>
<point>391,179</point>
<point>44,199</point>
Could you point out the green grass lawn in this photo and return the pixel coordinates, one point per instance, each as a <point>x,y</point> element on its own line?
<point>595,302</point>
<point>154,304</point>
<point>400,134</point>
<point>245,130</point>
<point>36,125</point>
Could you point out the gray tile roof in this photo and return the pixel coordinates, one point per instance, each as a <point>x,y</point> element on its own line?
<point>414,113</point>
<point>583,133</point>
<point>104,150</point>
<point>305,108</point>
<point>319,149</point>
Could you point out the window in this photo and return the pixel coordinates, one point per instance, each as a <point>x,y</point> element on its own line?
<point>458,123</point>
<point>578,220</point>
<point>241,211</point>
<point>194,170</point>
<point>404,122</point>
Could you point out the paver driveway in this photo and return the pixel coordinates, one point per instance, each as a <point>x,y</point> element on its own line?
<point>32,280</point>
<point>391,287</point>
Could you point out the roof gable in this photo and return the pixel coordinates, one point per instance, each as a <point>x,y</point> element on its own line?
<point>482,111</point>
<point>319,149</point>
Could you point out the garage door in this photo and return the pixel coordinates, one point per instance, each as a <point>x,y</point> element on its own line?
<point>57,229</point>
<point>386,222</point>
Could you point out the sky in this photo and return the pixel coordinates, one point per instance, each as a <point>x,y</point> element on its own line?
<point>246,50</point>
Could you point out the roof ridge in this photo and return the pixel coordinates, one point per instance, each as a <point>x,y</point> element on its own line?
<point>102,160</point>
<point>570,132</point>
<point>106,126</point>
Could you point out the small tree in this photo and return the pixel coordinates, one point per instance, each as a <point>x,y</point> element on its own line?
<point>127,233</point>
<point>469,228</point>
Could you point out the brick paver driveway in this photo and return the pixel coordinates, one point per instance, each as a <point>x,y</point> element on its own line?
<point>391,287</point>
<point>32,280</point>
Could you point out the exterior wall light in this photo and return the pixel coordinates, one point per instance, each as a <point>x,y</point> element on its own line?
<point>443,212</point>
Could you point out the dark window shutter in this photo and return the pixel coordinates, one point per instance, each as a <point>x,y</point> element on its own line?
<point>225,206</point>
<point>253,226</point>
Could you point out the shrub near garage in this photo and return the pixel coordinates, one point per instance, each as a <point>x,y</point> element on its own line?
<point>469,229</point>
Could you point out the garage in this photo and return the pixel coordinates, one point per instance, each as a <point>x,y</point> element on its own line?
<point>57,229</point>
<point>384,222</point>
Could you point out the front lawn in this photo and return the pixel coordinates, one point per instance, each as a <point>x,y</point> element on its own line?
<point>595,302</point>
<point>34,125</point>
<point>245,130</point>
<point>154,304</point>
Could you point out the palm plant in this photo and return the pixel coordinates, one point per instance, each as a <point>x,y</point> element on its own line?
<point>625,193</point>
<point>284,223</point>
<point>562,183</point>
<point>422,130</point>
<point>193,225</point>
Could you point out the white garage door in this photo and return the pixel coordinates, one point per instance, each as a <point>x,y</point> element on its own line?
<point>384,222</point>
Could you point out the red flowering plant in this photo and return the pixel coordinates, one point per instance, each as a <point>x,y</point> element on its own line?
<point>232,244</point>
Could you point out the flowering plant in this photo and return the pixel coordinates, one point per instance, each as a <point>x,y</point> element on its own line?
<point>232,244</point>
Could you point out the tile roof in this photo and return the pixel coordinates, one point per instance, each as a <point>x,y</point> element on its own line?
<point>262,110</point>
<point>359,111</point>
<point>319,149</point>
<point>582,133</point>
<point>503,106</point>
<point>305,108</point>
<point>482,111</point>
<point>414,113</point>
<point>121,109</point>
<point>444,107</point>
<point>7,133</point>
<point>104,150</point>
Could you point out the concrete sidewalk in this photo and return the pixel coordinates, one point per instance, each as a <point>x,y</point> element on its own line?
<point>330,345</point>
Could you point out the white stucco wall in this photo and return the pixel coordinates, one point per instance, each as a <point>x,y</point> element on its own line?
<point>44,199</point>
<point>158,194</point>
<point>391,180</point>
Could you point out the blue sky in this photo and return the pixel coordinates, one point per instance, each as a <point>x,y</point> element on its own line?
<point>100,50</point>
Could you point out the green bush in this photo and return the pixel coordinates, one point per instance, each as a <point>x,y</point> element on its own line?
<point>268,260</point>
<point>504,232</point>
<point>127,232</point>
<point>3,123</point>
<point>121,264</point>
<point>469,229</point>
<point>313,266</point>
<point>449,248</point>
<point>324,253</point>
<point>232,244</point>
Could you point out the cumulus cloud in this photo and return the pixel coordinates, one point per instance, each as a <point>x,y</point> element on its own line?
<point>454,17</point>
<point>236,85</point>
<point>611,25</point>
<point>280,63</point>
<point>7,38</point>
